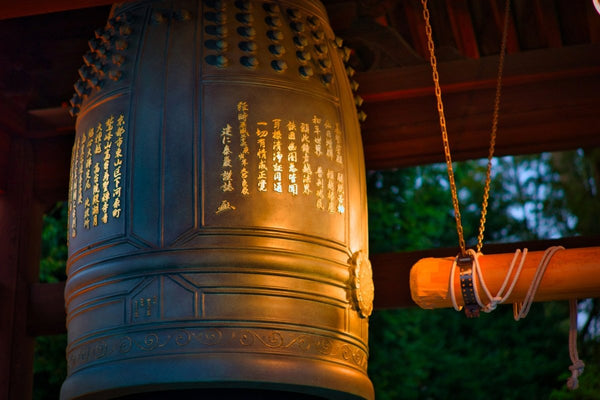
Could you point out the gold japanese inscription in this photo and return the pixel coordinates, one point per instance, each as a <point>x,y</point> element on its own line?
<point>292,158</point>
<point>143,306</point>
<point>94,185</point>
<point>225,206</point>
<point>242,109</point>
<point>117,166</point>
<point>96,194</point>
<point>80,172</point>
<point>277,157</point>
<point>105,167</point>
<point>338,145</point>
<point>74,168</point>
<point>261,140</point>
<point>331,198</point>
<point>328,141</point>
<point>86,213</point>
<point>317,135</point>
<point>340,193</point>
<point>297,157</point>
<point>320,190</point>
<point>305,149</point>
<point>98,139</point>
<point>73,187</point>
<point>88,178</point>
<point>227,173</point>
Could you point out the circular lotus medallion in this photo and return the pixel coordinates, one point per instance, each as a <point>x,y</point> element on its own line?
<point>362,283</point>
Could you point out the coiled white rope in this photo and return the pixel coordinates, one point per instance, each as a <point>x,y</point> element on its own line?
<point>521,309</point>
<point>478,276</point>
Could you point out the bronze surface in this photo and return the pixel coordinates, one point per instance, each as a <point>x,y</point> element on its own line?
<point>216,201</point>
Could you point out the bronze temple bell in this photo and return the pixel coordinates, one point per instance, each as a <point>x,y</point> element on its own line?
<point>218,215</point>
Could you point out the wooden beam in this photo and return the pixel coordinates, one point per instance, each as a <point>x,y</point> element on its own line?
<point>462,27</point>
<point>570,274</point>
<point>49,122</point>
<point>20,236</point>
<point>391,271</point>
<point>549,102</point>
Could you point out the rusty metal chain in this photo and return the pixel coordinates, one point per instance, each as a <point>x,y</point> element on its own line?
<point>440,107</point>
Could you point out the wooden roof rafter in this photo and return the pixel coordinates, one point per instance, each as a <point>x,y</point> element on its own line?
<point>547,20</point>
<point>462,26</point>
<point>512,40</point>
<point>549,102</point>
<point>413,12</point>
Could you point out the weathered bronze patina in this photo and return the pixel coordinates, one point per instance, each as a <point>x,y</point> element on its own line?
<point>218,226</point>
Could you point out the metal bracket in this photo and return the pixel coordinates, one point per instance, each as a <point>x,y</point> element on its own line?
<point>465,264</point>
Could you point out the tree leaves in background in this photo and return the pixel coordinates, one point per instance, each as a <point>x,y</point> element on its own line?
<point>50,365</point>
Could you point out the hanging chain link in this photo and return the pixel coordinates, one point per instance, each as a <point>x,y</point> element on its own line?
<point>440,107</point>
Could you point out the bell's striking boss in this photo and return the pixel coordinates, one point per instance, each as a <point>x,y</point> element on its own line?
<point>218,222</point>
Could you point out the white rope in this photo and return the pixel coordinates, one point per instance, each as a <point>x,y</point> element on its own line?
<point>520,310</point>
<point>498,298</point>
<point>478,276</point>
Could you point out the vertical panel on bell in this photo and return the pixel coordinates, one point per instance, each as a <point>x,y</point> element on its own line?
<point>148,117</point>
<point>296,149</point>
<point>98,174</point>
<point>178,213</point>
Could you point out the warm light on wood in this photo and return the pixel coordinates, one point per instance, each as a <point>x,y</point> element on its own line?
<point>572,273</point>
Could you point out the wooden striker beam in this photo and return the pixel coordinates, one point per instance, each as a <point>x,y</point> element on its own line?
<point>571,273</point>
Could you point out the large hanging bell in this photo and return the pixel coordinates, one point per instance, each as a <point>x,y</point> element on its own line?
<point>218,223</point>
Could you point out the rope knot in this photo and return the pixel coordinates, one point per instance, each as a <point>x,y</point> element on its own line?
<point>576,371</point>
<point>494,301</point>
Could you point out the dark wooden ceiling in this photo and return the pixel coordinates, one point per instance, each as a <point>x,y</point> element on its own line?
<point>550,95</point>
<point>551,82</point>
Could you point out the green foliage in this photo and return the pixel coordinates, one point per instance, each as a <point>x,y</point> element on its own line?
<point>54,245</point>
<point>409,210</point>
<point>439,354</point>
<point>50,365</point>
